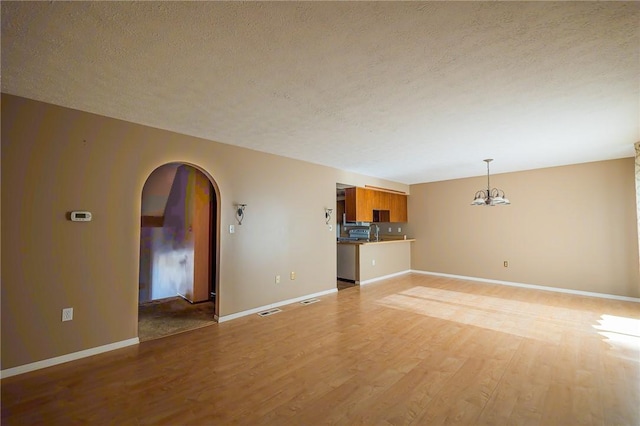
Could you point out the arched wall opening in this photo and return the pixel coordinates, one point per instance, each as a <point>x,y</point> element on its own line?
<point>180,235</point>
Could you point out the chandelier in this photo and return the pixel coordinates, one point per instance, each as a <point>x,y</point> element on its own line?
<point>489,196</point>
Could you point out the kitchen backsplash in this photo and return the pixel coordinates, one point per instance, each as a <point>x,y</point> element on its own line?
<point>388,230</point>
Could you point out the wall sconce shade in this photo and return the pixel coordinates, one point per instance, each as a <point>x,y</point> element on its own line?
<point>327,215</point>
<point>240,212</point>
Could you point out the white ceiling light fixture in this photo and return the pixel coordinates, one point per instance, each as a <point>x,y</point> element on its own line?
<point>490,196</point>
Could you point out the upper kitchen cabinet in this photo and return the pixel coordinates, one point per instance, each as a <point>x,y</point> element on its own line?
<point>381,200</point>
<point>398,208</point>
<point>370,205</point>
<point>358,204</point>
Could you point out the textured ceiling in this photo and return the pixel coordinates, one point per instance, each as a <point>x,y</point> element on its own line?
<point>408,91</point>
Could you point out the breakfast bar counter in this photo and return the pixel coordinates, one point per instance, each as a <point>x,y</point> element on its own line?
<point>381,241</point>
<point>367,261</point>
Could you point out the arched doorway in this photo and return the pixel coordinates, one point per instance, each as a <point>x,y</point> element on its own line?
<point>179,251</point>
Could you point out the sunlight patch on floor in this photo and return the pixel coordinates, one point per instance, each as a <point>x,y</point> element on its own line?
<point>524,319</point>
<point>622,334</point>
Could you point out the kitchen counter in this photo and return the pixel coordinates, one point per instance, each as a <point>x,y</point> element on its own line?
<point>367,261</point>
<point>382,241</point>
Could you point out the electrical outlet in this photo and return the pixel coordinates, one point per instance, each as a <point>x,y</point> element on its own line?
<point>67,314</point>
<point>330,227</point>
<point>399,229</point>
<point>389,229</point>
<point>373,262</point>
<point>232,229</point>
<point>506,263</point>
<point>293,275</point>
<point>277,279</point>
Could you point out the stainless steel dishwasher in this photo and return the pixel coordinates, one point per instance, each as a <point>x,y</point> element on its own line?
<point>347,261</point>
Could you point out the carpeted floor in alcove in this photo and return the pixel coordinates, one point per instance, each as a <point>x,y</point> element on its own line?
<point>164,317</point>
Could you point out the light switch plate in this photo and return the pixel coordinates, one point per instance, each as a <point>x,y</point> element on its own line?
<point>67,314</point>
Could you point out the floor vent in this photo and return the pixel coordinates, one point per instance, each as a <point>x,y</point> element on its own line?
<point>269,312</point>
<point>309,301</point>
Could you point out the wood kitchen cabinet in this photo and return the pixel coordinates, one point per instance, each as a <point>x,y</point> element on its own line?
<point>350,204</point>
<point>398,208</point>
<point>381,200</point>
<point>361,202</point>
<point>358,204</point>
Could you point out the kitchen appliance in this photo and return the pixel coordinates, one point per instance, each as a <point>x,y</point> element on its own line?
<point>357,234</point>
<point>346,224</point>
<point>347,262</point>
<point>360,233</point>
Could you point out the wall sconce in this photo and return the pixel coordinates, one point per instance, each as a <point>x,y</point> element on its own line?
<point>327,215</point>
<point>240,212</point>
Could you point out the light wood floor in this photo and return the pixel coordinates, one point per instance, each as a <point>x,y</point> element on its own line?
<point>411,350</point>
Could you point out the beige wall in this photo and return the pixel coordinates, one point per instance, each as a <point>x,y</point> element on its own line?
<point>156,190</point>
<point>55,160</point>
<point>390,258</point>
<point>571,227</point>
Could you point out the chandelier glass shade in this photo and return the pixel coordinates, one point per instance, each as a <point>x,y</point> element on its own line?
<point>490,196</point>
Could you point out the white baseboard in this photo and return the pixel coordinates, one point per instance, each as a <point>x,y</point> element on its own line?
<point>274,305</point>
<point>533,286</point>
<point>373,280</point>
<point>66,358</point>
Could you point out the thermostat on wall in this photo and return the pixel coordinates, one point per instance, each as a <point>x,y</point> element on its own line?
<point>80,216</point>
